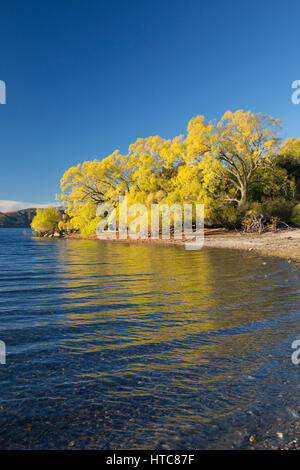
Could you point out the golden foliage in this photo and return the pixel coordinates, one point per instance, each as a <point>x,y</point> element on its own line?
<point>215,163</point>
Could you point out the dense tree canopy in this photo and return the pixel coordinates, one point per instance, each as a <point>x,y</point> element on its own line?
<point>230,166</point>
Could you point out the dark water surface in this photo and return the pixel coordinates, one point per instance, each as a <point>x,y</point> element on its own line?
<point>134,346</point>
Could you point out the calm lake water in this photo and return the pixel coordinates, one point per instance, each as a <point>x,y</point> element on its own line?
<point>122,346</point>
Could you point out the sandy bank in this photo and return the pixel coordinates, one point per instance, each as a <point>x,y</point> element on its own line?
<point>285,244</point>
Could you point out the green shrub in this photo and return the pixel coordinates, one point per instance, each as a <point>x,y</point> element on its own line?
<point>278,208</point>
<point>255,208</point>
<point>226,216</point>
<point>295,217</point>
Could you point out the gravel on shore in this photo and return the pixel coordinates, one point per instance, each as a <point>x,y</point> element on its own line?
<point>284,244</point>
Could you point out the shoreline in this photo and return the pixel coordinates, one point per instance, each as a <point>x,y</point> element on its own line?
<point>282,244</point>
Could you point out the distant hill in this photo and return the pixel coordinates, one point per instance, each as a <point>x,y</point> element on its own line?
<point>21,219</point>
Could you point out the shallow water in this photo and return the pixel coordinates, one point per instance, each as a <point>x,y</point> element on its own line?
<point>122,346</point>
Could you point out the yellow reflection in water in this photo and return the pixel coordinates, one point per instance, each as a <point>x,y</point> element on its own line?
<point>148,286</point>
<point>145,294</point>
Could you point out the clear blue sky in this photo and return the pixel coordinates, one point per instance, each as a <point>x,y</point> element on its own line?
<point>86,77</point>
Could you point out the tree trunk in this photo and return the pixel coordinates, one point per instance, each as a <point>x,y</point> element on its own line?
<point>244,194</point>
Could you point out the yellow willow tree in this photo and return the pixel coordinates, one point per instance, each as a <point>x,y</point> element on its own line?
<point>231,151</point>
<point>46,220</point>
<point>190,179</point>
<point>244,143</point>
<point>86,185</point>
<point>153,164</point>
<point>145,175</point>
<point>196,180</point>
